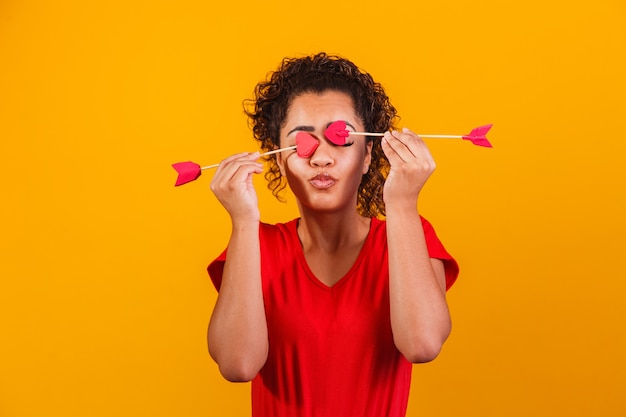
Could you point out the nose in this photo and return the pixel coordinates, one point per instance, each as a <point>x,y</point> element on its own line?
<point>323,155</point>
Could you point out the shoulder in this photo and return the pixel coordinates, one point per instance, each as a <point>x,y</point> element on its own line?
<point>273,238</point>
<point>278,231</point>
<point>435,247</point>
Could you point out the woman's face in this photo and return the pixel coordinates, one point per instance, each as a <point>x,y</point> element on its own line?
<point>329,179</point>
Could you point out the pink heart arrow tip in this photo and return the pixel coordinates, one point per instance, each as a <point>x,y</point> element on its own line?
<point>306,144</point>
<point>337,133</point>
<point>187,172</point>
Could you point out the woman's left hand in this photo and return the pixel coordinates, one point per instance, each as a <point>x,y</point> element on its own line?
<point>411,166</point>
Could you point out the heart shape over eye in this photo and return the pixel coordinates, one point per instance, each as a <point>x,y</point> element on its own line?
<point>337,133</point>
<point>306,144</point>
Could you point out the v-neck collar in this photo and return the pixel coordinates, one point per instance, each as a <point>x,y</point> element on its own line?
<point>305,265</point>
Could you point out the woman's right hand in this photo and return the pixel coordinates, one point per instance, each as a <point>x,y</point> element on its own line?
<point>233,187</point>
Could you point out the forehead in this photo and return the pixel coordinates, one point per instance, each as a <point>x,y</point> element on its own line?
<point>324,104</point>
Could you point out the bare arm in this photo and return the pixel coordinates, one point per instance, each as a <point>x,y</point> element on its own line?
<point>237,334</point>
<point>420,319</point>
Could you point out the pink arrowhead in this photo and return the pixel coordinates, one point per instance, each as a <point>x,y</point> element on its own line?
<point>306,144</point>
<point>477,136</point>
<point>337,133</point>
<point>187,172</point>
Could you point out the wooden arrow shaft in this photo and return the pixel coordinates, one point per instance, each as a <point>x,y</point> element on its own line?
<point>288,148</point>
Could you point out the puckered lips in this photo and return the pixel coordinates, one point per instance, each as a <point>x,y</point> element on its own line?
<point>322,181</point>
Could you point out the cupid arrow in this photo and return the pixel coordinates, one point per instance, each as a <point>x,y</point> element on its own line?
<point>189,171</point>
<point>337,133</point>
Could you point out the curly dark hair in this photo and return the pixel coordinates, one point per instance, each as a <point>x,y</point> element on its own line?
<point>316,74</point>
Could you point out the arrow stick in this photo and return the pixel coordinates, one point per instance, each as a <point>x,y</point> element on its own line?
<point>288,148</point>
<point>421,136</point>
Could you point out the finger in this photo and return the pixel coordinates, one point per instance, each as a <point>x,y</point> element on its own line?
<point>395,148</point>
<point>237,168</point>
<point>411,140</point>
<point>244,171</point>
<point>415,144</point>
<point>407,148</point>
<point>239,172</point>
<point>228,166</point>
<point>236,157</point>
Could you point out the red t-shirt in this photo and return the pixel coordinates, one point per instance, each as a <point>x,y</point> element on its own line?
<point>331,350</point>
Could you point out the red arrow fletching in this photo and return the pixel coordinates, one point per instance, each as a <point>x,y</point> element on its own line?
<point>477,136</point>
<point>187,172</point>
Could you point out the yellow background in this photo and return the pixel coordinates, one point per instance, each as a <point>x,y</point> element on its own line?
<point>104,299</point>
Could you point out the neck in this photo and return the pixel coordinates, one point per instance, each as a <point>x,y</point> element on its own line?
<point>330,232</point>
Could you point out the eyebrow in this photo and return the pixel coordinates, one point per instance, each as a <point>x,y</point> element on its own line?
<point>312,129</point>
<point>301,128</point>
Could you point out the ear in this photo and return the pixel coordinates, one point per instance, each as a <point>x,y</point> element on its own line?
<point>368,156</point>
<point>280,161</point>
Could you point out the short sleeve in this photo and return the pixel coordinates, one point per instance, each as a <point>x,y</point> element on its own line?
<point>438,251</point>
<point>269,237</point>
<point>216,269</point>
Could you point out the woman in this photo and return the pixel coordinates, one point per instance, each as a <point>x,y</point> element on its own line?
<point>326,313</point>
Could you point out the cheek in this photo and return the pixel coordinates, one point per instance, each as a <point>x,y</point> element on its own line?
<point>283,161</point>
<point>366,165</point>
<point>296,184</point>
<point>363,160</point>
<point>291,168</point>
